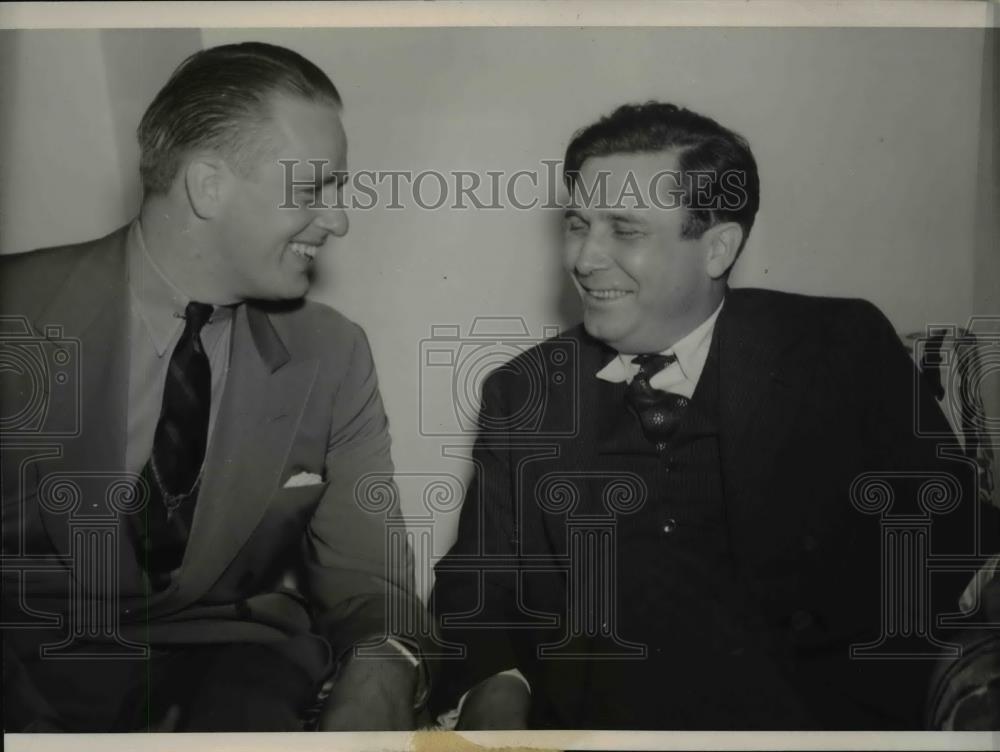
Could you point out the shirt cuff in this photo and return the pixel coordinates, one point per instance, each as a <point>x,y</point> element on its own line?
<point>414,661</point>
<point>448,720</point>
<point>423,681</point>
<point>980,581</point>
<point>410,652</point>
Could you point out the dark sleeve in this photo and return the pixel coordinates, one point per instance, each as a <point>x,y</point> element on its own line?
<point>906,445</point>
<point>479,598</point>
<point>25,709</point>
<point>907,432</point>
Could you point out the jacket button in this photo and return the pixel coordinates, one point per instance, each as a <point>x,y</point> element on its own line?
<point>670,525</point>
<point>801,620</point>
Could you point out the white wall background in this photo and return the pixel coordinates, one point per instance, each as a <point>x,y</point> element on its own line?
<point>876,149</point>
<point>70,102</point>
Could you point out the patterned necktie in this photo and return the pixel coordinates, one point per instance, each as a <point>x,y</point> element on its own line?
<point>174,467</point>
<point>659,412</point>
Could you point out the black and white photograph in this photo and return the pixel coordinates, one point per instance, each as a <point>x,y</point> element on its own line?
<point>604,376</point>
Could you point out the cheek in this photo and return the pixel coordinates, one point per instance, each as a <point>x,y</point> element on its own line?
<point>248,231</point>
<point>570,252</point>
<point>292,219</point>
<point>236,233</point>
<point>642,264</point>
<point>660,283</point>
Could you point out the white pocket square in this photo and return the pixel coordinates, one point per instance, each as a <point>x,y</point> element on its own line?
<point>303,479</point>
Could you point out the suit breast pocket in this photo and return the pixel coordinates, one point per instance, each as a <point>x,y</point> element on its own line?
<point>276,541</point>
<point>287,517</point>
<point>298,499</point>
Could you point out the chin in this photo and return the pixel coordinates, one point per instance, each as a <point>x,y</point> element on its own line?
<point>278,296</point>
<point>289,297</point>
<point>600,330</point>
<point>292,290</point>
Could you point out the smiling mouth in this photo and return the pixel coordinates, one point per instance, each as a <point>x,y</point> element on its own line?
<point>606,294</point>
<point>304,251</point>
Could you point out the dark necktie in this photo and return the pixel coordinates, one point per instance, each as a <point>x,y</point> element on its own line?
<point>659,412</point>
<point>174,467</point>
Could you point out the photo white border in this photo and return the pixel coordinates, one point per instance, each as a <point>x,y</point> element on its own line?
<point>465,13</point>
<point>503,13</point>
<point>468,741</point>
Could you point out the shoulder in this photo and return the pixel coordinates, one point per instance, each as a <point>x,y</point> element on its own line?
<point>790,302</point>
<point>29,279</point>
<point>794,311</point>
<point>550,361</point>
<point>43,263</point>
<point>309,328</point>
<point>61,257</point>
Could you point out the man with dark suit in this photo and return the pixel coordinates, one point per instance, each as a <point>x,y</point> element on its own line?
<point>185,540</point>
<point>687,532</point>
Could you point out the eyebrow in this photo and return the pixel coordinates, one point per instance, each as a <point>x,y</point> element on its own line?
<point>338,176</point>
<point>631,219</point>
<point>619,217</point>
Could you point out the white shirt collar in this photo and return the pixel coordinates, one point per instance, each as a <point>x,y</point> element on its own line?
<point>691,352</point>
<point>159,303</point>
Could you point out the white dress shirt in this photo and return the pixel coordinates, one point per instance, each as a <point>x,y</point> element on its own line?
<point>681,376</point>
<point>156,322</point>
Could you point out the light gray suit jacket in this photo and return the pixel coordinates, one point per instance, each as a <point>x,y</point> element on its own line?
<point>301,396</point>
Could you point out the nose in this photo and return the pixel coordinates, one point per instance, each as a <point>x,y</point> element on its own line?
<point>591,255</point>
<point>332,220</point>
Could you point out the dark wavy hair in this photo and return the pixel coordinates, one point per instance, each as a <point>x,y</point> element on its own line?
<point>220,99</point>
<point>702,146</point>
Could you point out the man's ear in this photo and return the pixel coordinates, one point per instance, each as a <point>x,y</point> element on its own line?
<point>204,182</point>
<point>723,246</point>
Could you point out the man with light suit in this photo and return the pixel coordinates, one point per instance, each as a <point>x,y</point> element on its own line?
<point>239,570</point>
<point>674,542</point>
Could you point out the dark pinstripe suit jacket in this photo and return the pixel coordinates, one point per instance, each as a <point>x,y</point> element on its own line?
<point>813,393</point>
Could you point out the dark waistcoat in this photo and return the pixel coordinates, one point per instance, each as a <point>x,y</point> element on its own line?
<point>680,595</point>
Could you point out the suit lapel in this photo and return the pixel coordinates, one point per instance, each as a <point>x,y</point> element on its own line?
<point>264,396</point>
<point>619,431</point>
<point>753,385</point>
<point>610,434</point>
<point>607,425</point>
<point>90,310</point>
